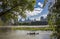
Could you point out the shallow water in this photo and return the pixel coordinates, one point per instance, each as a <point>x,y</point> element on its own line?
<point>21,34</point>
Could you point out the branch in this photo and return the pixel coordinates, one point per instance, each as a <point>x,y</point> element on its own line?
<point>5,12</point>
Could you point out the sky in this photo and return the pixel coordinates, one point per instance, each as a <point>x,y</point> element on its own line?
<point>38,10</point>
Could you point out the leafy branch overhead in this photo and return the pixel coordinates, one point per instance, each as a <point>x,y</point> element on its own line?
<point>12,8</point>
<point>19,6</point>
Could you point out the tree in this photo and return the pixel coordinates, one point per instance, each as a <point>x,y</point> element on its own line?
<point>12,8</point>
<point>55,14</point>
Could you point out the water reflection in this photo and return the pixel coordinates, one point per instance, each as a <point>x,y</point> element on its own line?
<point>21,34</point>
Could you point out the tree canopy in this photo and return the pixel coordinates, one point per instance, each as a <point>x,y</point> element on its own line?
<point>10,9</point>
<point>54,17</point>
<point>18,6</point>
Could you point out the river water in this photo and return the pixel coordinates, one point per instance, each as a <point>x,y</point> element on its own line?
<point>22,34</point>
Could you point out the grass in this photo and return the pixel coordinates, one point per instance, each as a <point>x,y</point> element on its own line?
<point>27,28</point>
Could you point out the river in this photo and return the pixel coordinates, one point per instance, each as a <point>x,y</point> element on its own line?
<point>22,34</point>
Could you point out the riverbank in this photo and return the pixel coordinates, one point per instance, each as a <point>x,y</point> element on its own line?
<point>31,28</point>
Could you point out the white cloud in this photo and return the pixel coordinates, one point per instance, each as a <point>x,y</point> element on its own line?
<point>40,4</point>
<point>38,18</point>
<point>45,15</point>
<point>0,3</point>
<point>36,11</point>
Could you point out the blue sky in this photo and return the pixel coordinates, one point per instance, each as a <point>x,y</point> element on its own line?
<point>38,10</point>
<point>43,13</point>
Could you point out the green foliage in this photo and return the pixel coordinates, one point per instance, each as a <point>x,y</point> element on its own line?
<point>33,28</point>
<point>55,11</point>
<point>17,5</point>
<point>45,1</point>
<point>13,8</point>
<point>1,23</point>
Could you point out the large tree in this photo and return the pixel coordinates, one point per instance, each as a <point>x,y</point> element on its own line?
<point>55,18</point>
<point>10,9</point>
